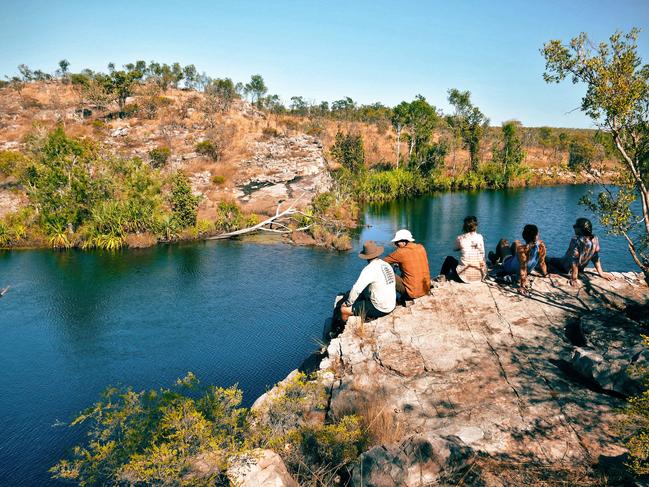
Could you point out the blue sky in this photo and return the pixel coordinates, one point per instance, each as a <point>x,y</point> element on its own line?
<point>325,50</point>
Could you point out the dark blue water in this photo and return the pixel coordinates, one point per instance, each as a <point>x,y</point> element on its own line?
<point>231,312</point>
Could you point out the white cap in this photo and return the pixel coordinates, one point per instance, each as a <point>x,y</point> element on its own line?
<point>403,235</point>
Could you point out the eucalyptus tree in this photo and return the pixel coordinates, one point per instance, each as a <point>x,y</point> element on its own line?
<point>617,100</point>
<point>469,122</point>
<point>256,88</point>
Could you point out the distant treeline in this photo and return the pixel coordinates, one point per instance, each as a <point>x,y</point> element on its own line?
<point>424,134</point>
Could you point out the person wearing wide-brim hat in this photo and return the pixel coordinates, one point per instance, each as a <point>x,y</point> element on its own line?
<point>412,260</point>
<point>373,295</point>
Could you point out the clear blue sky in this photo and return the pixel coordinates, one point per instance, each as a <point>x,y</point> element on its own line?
<point>370,50</point>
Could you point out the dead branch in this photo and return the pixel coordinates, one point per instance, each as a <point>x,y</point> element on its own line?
<point>280,221</point>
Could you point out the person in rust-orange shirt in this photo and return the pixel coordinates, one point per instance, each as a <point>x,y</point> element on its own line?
<point>412,260</point>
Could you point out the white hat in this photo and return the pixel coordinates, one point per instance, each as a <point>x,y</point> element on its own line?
<point>403,235</point>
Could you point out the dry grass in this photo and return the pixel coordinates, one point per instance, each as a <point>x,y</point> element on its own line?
<point>378,420</point>
<point>513,473</point>
<point>140,240</point>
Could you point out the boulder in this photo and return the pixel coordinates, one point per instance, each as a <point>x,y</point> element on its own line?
<point>613,350</point>
<point>418,460</point>
<point>120,132</point>
<point>261,468</point>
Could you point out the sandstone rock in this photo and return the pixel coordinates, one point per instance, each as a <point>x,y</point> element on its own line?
<point>417,461</point>
<point>282,168</point>
<point>485,364</point>
<point>120,131</point>
<point>262,468</point>
<point>614,348</point>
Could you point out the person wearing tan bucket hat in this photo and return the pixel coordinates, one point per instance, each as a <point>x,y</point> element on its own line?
<point>373,294</point>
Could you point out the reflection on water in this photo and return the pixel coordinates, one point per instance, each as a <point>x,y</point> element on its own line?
<point>231,312</point>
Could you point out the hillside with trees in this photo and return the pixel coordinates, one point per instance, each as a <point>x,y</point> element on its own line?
<point>102,159</point>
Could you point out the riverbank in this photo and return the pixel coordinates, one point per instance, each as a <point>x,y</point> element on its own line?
<point>478,380</point>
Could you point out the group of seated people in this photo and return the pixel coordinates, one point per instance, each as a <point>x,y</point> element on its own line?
<point>375,292</point>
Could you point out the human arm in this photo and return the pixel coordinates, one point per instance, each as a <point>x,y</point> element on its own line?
<point>458,243</point>
<point>598,267</point>
<point>364,279</point>
<point>543,252</point>
<point>574,273</point>
<point>522,252</point>
<point>393,258</point>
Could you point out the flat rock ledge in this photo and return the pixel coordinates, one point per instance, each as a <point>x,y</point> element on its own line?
<point>481,368</point>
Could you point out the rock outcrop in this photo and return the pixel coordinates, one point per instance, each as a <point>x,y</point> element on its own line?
<point>610,351</point>
<point>283,168</point>
<point>492,369</point>
<point>416,461</point>
<point>261,468</point>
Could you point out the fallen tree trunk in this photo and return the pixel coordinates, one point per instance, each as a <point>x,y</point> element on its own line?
<point>278,220</point>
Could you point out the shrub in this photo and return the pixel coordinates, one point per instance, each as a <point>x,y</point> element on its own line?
<point>318,455</point>
<point>129,110</point>
<point>155,437</point>
<point>159,156</point>
<point>581,154</point>
<point>98,125</point>
<point>270,132</point>
<point>228,217</point>
<point>12,162</point>
<point>184,204</point>
<point>209,149</point>
<point>218,179</point>
<point>636,421</point>
<point>5,235</point>
<point>348,151</point>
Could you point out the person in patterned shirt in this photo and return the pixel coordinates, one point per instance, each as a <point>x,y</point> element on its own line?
<point>583,248</point>
<point>471,267</point>
<point>521,258</point>
<point>373,294</point>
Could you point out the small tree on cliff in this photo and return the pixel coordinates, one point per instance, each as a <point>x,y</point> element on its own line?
<point>121,84</point>
<point>617,100</point>
<point>256,88</point>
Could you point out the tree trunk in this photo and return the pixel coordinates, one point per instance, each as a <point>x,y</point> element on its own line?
<point>398,145</point>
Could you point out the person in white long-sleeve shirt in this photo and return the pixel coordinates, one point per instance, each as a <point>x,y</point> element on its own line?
<point>374,294</point>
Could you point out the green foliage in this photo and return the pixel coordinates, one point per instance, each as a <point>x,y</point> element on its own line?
<point>428,157</point>
<point>84,199</point>
<point>229,217</point>
<point>209,148</point>
<point>468,122</point>
<point>218,179</point>
<point>510,154</point>
<point>636,420</point>
<point>121,84</point>
<point>184,205</point>
<point>348,151</point>
<point>316,455</point>
<point>12,162</point>
<point>256,88</point>
<point>581,155</point>
<point>154,437</point>
<point>219,94</point>
<point>60,183</point>
<point>5,236</point>
<point>160,437</point>
<point>617,98</point>
<point>159,156</point>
